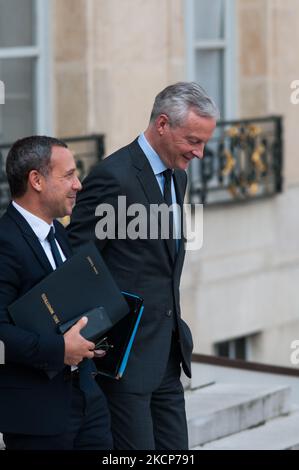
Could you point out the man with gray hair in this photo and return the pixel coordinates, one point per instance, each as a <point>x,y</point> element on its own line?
<point>147,405</point>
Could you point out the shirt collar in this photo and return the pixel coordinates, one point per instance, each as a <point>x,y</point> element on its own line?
<point>39,226</point>
<point>155,161</point>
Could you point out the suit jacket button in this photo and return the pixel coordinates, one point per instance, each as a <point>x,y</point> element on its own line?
<point>169,313</point>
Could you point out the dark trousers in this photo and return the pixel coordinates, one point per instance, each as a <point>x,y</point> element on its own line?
<point>88,427</point>
<point>152,421</point>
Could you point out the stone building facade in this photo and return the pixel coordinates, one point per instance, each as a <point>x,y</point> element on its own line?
<point>106,60</point>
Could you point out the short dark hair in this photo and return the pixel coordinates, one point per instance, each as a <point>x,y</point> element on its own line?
<point>27,154</point>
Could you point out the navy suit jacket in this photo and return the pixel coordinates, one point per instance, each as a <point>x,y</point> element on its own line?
<point>30,403</point>
<point>141,266</point>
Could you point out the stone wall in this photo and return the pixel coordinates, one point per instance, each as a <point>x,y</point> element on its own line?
<point>268,59</point>
<point>111,59</point>
<point>244,281</point>
<point>69,33</point>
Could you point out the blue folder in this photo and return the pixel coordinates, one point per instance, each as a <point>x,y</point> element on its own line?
<point>119,339</point>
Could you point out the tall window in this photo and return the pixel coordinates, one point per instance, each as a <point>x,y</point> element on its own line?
<point>24,68</point>
<point>211,50</point>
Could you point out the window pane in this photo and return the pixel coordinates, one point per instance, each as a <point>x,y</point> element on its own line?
<point>240,348</point>
<point>16,23</point>
<point>209,15</point>
<point>222,349</point>
<point>16,115</point>
<point>209,73</point>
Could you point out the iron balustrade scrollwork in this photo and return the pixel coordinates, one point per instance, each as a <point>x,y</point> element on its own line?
<point>243,161</point>
<point>88,150</point>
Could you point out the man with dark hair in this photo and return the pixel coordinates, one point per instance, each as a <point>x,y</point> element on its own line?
<point>37,412</point>
<point>30,153</point>
<point>147,405</point>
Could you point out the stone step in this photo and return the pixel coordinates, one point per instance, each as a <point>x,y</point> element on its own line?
<point>223,409</point>
<point>277,434</point>
<point>220,410</point>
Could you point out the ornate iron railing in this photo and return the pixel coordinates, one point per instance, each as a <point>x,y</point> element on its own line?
<point>242,161</point>
<point>88,150</point>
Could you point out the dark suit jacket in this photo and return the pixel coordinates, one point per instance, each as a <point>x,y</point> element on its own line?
<point>30,403</point>
<point>141,266</point>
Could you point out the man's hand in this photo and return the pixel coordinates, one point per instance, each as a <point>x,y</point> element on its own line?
<point>76,348</point>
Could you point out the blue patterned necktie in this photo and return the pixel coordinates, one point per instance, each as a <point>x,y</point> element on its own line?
<point>168,200</point>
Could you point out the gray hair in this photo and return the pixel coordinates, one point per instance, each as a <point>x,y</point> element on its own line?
<point>178,99</point>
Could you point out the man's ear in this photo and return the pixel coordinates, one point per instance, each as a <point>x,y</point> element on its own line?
<point>35,180</point>
<point>161,123</point>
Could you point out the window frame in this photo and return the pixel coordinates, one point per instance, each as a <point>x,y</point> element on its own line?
<point>41,53</point>
<point>231,345</point>
<point>227,45</point>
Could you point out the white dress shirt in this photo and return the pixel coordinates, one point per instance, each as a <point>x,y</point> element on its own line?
<point>41,230</point>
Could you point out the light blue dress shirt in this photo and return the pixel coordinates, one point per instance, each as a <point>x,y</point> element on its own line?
<point>158,166</point>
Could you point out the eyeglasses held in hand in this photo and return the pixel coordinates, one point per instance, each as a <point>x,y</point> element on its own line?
<point>103,344</point>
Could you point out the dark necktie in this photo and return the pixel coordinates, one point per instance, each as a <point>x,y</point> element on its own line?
<point>54,248</point>
<point>168,200</point>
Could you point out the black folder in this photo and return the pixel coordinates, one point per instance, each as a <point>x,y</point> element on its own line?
<point>81,286</point>
<point>118,341</point>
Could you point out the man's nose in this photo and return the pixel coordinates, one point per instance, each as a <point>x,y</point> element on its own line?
<point>77,186</point>
<point>198,152</point>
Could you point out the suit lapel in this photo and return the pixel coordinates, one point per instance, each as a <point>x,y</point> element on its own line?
<point>180,193</point>
<point>151,188</point>
<point>30,238</point>
<point>179,190</point>
<point>149,183</point>
<point>145,175</point>
<point>62,239</point>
